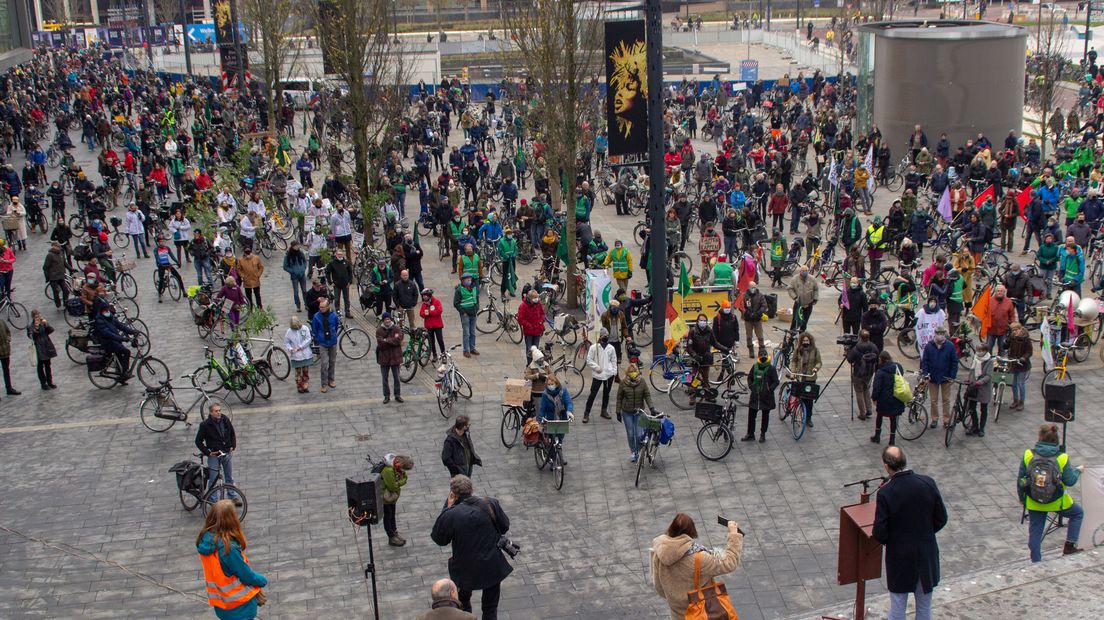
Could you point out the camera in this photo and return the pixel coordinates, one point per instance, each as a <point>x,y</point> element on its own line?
<point>847,340</point>
<point>509,547</point>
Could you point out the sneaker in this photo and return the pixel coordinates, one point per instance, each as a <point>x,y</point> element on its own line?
<point>632,457</point>
<point>809,423</point>
<point>980,433</point>
<point>586,418</point>
<point>395,541</point>
<point>934,424</point>
<point>474,352</point>
<point>324,389</point>
<point>386,399</point>
<point>605,414</point>
<point>467,354</point>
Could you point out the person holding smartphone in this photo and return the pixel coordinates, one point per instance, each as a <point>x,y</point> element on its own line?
<point>673,555</point>
<point>216,439</point>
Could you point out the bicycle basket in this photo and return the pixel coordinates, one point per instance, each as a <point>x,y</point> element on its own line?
<point>125,265</point>
<point>706,412</point>
<point>1002,377</point>
<point>806,390</point>
<point>115,222</point>
<point>649,423</point>
<point>189,477</point>
<point>556,427</point>
<point>74,306</point>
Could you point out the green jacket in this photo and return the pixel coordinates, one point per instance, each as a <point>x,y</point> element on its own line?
<point>1047,256</point>
<point>507,248</point>
<point>392,481</point>
<point>1070,476</point>
<point>1071,206</point>
<point>633,394</point>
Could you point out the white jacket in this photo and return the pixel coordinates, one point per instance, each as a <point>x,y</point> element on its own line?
<point>133,223</point>
<point>298,343</point>
<point>602,361</point>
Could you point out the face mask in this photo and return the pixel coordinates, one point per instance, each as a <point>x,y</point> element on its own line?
<point>632,374</point>
<point>753,290</point>
<point>604,340</point>
<point>614,311</point>
<point>106,315</point>
<point>726,311</point>
<point>855,287</point>
<point>703,324</point>
<point>940,339</point>
<point>806,345</point>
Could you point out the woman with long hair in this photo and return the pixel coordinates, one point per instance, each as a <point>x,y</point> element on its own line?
<point>674,554</point>
<point>233,587</point>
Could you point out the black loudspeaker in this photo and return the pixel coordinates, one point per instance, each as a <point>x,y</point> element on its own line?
<point>772,304</point>
<point>365,499</point>
<point>1061,399</point>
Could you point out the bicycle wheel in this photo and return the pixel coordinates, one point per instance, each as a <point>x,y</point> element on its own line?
<point>997,401</point>
<point>948,431</point>
<point>409,366</point>
<point>539,455</point>
<point>679,393</point>
<point>152,372</point>
<point>127,306</point>
<point>783,398</point>
<point>128,286</point>
<point>798,416</point>
<point>221,490</point>
<point>279,362</point>
<point>75,355</point>
<point>207,379</point>
<point>714,441</point>
<point>966,357</point>
<point>572,379</point>
<point>101,378</point>
<point>463,386</point>
<point>120,239</point>
<point>261,383</point>
<point>1081,347</point>
<point>906,342</point>
<point>513,329</point>
<point>1052,375</point>
<point>174,287</point>
<point>559,467</point>
<point>658,374</point>
<point>444,401</point>
<point>895,183</point>
<point>16,315</point>
<point>510,427</point>
<point>244,392</point>
<point>153,415</point>
<point>188,500</point>
<point>355,343</point>
<point>141,343</point>
<point>912,423</point>
<point>641,456</point>
<point>642,331</point>
<point>487,321</point>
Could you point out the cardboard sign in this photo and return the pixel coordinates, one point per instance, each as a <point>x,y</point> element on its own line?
<point>518,392</point>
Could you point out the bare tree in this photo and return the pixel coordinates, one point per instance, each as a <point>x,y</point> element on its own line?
<point>354,35</point>
<point>166,11</point>
<point>559,47</point>
<point>1045,76</point>
<point>273,23</point>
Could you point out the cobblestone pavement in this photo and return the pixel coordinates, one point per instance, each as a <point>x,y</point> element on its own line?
<point>93,528</point>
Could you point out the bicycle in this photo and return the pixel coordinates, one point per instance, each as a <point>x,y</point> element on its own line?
<point>197,490</point>
<point>649,440</point>
<point>958,416</point>
<point>492,319</point>
<point>794,397</point>
<point>716,436</point>
<point>14,312</point>
<point>1001,378</point>
<point>569,375</point>
<point>168,280</point>
<point>279,363</point>
<point>513,419</point>
<point>549,449</point>
<point>914,421</point>
<point>450,383</point>
<point>159,410</point>
<point>105,370</point>
<point>780,358</point>
<point>213,376</point>
<point>416,353</point>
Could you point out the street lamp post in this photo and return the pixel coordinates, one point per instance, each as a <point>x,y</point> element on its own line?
<point>657,242</point>
<point>1088,32</point>
<point>187,44</point>
<point>239,47</point>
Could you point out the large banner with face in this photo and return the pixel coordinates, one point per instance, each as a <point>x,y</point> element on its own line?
<point>626,87</point>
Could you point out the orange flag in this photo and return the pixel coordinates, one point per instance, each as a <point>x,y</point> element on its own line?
<point>980,309</point>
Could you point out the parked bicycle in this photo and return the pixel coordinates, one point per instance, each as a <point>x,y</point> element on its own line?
<point>959,415</point>
<point>160,410</point>
<point>450,384</point>
<point>795,398</point>
<point>496,318</point>
<point>914,421</point>
<point>717,433</point>
<point>416,353</point>
<point>196,490</point>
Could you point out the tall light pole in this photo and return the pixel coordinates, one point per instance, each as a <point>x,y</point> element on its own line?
<point>239,48</point>
<point>657,242</point>
<point>1088,31</point>
<point>187,43</point>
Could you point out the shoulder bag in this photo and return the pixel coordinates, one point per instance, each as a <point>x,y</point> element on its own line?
<point>709,601</point>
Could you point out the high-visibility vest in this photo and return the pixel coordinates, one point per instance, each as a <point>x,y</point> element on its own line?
<point>876,235</point>
<point>469,297</point>
<point>722,274</point>
<point>470,265</point>
<point>1058,504</point>
<point>619,260</point>
<point>225,591</point>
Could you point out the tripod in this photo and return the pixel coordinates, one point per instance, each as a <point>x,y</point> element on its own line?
<point>370,567</point>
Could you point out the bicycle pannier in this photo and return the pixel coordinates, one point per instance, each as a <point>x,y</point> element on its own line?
<point>96,362</point>
<point>189,476</point>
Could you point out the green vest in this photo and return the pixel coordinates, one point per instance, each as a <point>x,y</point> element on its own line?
<point>619,260</point>
<point>778,250</point>
<point>1070,268</point>
<point>456,228</point>
<point>956,289</point>
<point>722,274</point>
<point>470,265</point>
<point>1059,504</point>
<point>580,208</point>
<point>876,235</point>
<point>507,248</point>
<point>469,297</point>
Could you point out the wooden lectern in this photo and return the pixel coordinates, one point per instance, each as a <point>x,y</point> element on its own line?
<point>860,556</point>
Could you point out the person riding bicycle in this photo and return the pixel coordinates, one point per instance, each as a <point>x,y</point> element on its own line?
<point>112,335</point>
<point>165,261</point>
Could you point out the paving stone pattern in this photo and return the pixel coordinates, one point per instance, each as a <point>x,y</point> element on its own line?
<point>92,526</point>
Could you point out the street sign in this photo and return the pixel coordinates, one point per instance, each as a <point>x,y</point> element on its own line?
<point>699,302</point>
<point>749,70</point>
<point>200,33</point>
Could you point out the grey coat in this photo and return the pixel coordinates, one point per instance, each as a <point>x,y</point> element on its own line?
<point>982,373</point>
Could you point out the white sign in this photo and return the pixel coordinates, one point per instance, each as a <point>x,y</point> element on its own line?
<point>1092,500</point>
<point>358,241</point>
<point>599,283</point>
<point>308,222</point>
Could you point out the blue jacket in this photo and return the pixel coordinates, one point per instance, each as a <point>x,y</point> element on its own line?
<point>297,267</point>
<point>1063,256</point>
<point>491,230</point>
<point>548,405</point>
<point>940,363</point>
<point>1048,196</point>
<point>885,403</point>
<point>234,564</point>
<point>318,328</point>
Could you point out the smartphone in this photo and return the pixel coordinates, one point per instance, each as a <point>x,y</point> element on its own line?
<point>723,521</point>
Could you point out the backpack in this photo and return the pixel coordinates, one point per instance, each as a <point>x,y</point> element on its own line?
<point>867,366</point>
<point>1044,479</point>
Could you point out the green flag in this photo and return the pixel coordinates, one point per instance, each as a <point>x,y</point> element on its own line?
<point>417,234</point>
<point>684,281</point>
<point>561,249</point>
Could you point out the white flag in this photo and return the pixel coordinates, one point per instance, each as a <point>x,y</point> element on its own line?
<point>868,163</point>
<point>833,174</point>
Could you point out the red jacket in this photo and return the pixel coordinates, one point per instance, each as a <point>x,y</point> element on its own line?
<point>431,313</point>
<point>531,318</point>
<point>778,204</point>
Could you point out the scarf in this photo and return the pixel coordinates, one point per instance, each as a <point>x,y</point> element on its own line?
<point>758,375</point>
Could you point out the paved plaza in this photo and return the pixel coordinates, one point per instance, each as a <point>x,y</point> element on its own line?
<point>92,527</point>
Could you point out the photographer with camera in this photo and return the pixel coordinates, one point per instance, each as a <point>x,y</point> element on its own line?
<point>862,354</point>
<point>476,528</point>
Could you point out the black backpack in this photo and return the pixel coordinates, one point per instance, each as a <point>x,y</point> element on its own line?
<point>1044,479</point>
<point>867,365</point>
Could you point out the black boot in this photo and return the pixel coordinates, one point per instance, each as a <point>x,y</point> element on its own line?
<point>876,437</point>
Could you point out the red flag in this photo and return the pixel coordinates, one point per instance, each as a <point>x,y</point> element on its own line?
<point>1022,199</point>
<point>988,194</point>
<point>672,314</point>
